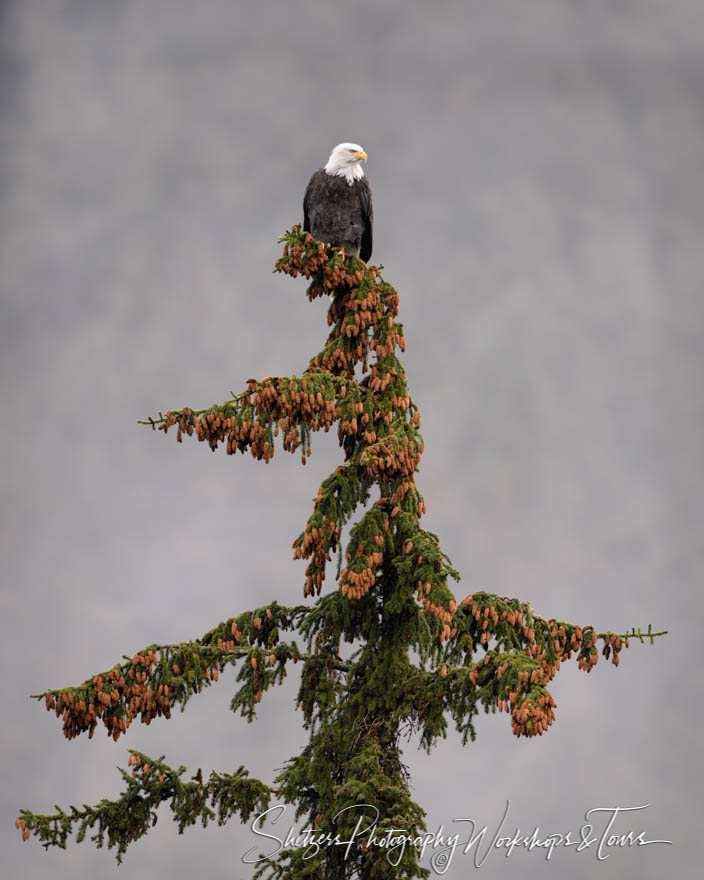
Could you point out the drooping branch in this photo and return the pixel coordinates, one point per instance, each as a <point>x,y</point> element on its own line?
<point>528,654</point>
<point>151,783</point>
<point>154,680</point>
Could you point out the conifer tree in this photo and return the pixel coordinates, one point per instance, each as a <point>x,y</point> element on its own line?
<point>389,650</point>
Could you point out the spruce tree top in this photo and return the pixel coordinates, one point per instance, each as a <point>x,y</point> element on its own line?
<point>386,651</point>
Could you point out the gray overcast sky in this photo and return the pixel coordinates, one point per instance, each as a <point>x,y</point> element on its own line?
<point>538,176</point>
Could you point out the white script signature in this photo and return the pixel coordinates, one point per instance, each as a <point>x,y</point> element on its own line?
<point>602,831</point>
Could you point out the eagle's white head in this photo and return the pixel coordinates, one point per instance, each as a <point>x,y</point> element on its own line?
<point>346,161</point>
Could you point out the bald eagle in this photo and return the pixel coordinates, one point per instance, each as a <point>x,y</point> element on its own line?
<point>337,206</point>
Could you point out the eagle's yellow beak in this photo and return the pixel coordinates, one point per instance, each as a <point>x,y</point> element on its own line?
<point>361,155</point>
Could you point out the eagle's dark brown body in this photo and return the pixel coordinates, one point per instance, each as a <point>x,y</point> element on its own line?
<point>339,213</point>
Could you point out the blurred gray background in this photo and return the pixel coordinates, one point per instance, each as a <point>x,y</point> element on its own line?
<point>538,175</point>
